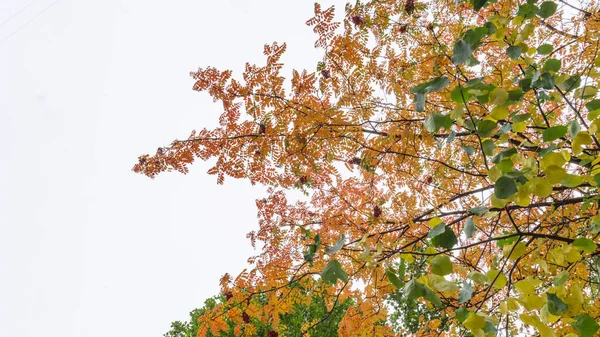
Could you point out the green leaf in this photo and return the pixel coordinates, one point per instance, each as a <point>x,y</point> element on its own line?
<point>527,10</point>
<point>445,240</point>
<point>413,290</point>
<point>435,84</point>
<point>555,304</point>
<point>488,146</point>
<point>525,84</point>
<point>402,270</point>
<point>435,121</point>
<point>573,128</point>
<point>490,27</point>
<point>485,128</point>
<point>461,314</point>
<point>585,325</point>
<point>474,36</point>
<point>441,265</point>
<point>521,118</point>
<point>429,295</point>
<point>469,229</point>
<point>586,245</point>
<point>478,4</point>
<point>561,278</point>
<point>394,279</point>
<point>551,65</point>
<point>571,180</point>
<point>465,293</point>
<point>595,223</point>
<point>472,61</point>
<point>593,106</point>
<point>419,101</point>
<point>571,83</point>
<point>460,95</point>
<point>506,165</point>
<point>554,133</point>
<point>546,81</point>
<point>505,187</point>
<point>547,150</point>
<point>338,245</point>
<point>477,277</point>
<point>514,96</point>
<point>333,271</point>
<point>504,129</point>
<point>585,92</point>
<point>514,52</point>
<point>479,210</point>
<point>468,149</point>
<point>451,137</point>
<point>490,329</point>
<point>461,52</point>
<point>437,230</point>
<point>309,255</point>
<point>547,8</point>
<point>504,154</point>
<point>545,49</point>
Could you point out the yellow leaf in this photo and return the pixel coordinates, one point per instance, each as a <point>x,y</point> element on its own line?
<point>434,222</point>
<point>478,333</point>
<point>519,127</point>
<point>474,322</point>
<point>497,97</point>
<point>494,173</point>
<point>525,287</point>
<point>532,301</point>
<point>442,285</point>
<point>513,304</point>
<point>503,308</point>
<point>530,320</point>
<point>572,255</point>
<point>408,258</point>
<point>499,112</point>
<point>498,203</point>
<point>582,138</point>
<point>519,250</point>
<point>541,187</point>
<point>500,278</point>
<point>555,174</point>
<point>553,159</point>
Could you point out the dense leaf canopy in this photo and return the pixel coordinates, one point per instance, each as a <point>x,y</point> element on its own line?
<point>450,158</point>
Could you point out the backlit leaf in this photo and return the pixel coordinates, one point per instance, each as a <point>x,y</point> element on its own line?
<point>505,187</point>
<point>441,265</point>
<point>333,271</point>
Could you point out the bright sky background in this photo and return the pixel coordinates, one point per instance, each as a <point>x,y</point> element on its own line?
<point>87,247</point>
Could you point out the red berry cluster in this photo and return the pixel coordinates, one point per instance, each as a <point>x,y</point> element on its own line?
<point>272,333</point>
<point>409,6</point>
<point>376,211</point>
<point>245,317</point>
<point>354,161</point>
<point>357,20</point>
<point>325,73</point>
<point>228,295</point>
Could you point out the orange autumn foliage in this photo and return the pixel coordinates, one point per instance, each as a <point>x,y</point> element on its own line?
<point>456,138</point>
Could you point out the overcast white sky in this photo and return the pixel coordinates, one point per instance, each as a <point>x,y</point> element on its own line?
<point>88,248</point>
